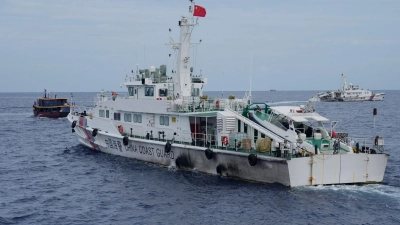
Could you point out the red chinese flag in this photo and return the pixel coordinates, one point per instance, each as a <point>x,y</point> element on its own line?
<point>199,11</point>
<point>334,134</point>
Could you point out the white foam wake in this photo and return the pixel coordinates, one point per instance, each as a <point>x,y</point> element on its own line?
<point>374,189</point>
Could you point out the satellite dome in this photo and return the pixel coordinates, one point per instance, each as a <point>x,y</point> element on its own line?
<point>152,69</point>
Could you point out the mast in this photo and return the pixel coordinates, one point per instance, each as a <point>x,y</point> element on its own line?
<point>182,75</point>
<point>344,82</point>
<point>249,98</point>
<point>222,85</point>
<point>251,72</point>
<point>71,103</point>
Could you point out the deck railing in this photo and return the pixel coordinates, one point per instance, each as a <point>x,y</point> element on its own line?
<point>199,104</point>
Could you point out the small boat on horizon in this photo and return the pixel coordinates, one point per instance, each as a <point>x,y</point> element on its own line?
<point>51,107</point>
<point>349,93</point>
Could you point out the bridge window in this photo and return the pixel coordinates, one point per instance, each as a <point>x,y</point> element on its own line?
<point>149,91</point>
<point>195,92</point>
<point>131,91</point>
<point>107,113</point>
<point>127,117</point>
<point>137,118</point>
<point>163,92</point>
<point>117,116</point>
<point>161,120</point>
<point>101,112</point>
<point>164,120</point>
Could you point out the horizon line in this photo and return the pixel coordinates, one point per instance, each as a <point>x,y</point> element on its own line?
<point>274,90</point>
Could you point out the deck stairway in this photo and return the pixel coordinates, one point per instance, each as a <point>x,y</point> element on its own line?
<point>254,125</point>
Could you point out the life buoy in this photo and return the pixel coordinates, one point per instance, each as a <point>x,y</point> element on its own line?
<point>73,124</point>
<point>125,140</point>
<point>167,147</point>
<point>217,104</point>
<point>252,159</point>
<point>209,153</point>
<point>225,140</point>
<point>94,132</point>
<point>120,128</point>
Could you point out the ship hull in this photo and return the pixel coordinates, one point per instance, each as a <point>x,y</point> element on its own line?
<point>50,114</point>
<point>330,97</point>
<point>316,99</point>
<point>303,171</point>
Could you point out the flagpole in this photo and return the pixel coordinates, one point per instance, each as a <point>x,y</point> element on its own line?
<point>191,10</point>
<point>144,56</point>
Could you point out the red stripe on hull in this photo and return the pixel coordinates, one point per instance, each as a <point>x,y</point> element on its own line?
<point>372,97</point>
<point>88,138</point>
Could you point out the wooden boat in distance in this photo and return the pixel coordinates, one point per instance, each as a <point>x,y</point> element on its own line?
<point>51,107</point>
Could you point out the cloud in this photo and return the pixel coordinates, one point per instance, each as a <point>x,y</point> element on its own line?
<point>96,41</point>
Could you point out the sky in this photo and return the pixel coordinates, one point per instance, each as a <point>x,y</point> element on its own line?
<point>91,45</point>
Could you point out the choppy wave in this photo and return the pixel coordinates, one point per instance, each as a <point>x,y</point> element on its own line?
<point>367,189</point>
<point>48,178</point>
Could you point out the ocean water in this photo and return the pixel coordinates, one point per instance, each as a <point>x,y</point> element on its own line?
<point>46,177</point>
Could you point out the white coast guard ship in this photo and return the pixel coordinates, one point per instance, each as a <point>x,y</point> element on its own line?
<point>349,93</point>
<point>168,121</point>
